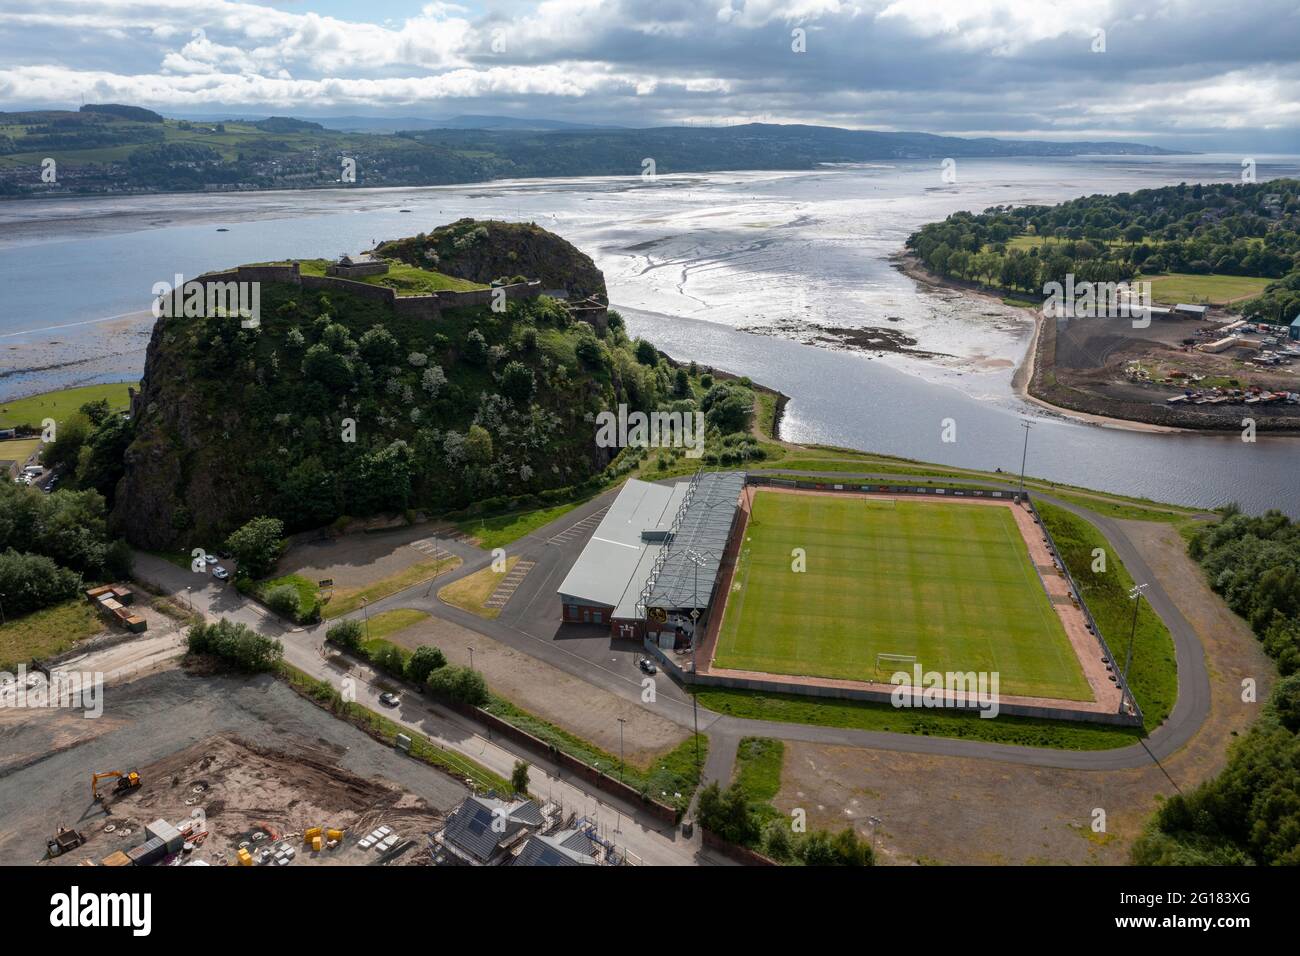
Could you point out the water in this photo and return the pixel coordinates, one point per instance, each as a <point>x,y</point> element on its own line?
<point>689,260</point>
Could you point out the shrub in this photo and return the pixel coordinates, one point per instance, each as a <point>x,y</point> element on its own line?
<point>346,634</point>
<point>459,684</point>
<point>283,599</point>
<point>424,662</point>
<point>237,643</point>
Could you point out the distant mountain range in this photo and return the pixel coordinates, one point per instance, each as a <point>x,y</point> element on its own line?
<point>110,148</point>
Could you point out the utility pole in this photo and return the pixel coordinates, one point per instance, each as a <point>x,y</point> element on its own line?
<point>365,613</point>
<point>1135,593</point>
<point>621,722</point>
<point>1024,455</point>
<point>696,559</point>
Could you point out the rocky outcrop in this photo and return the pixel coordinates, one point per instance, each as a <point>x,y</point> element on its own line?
<point>488,250</point>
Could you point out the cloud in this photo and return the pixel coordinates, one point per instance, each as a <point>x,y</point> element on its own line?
<point>1170,68</point>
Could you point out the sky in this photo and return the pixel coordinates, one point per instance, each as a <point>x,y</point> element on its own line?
<point>1199,74</point>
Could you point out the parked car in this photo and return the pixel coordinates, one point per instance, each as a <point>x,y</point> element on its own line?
<point>647,665</point>
<point>220,573</point>
<point>389,699</point>
<point>210,558</point>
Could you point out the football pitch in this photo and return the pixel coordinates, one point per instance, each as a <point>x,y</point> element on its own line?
<point>947,582</point>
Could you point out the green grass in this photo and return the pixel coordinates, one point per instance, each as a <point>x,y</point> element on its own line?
<point>405,279</point>
<point>386,731</point>
<point>758,766</point>
<point>949,583</point>
<point>1153,676</point>
<point>60,405</point>
<point>472,591</point>
<point>307,599</point>
<point>500,530</point>
<point>1175,287</point>
<point>345,600</point>
<point>670,779</point>
<point>855,715</point>
<point>18,449</point>
<point>46,632</point>
<point>385,623</point>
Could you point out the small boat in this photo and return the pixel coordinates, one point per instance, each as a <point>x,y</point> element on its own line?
<point>223,229</point>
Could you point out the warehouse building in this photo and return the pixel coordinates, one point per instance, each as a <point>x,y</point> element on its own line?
<point>655,558</point>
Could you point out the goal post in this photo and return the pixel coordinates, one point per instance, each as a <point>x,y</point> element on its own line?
<point>894,663</point>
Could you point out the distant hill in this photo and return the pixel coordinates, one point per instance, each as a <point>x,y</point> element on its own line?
<point>137,114</point>
<point>96,151</point>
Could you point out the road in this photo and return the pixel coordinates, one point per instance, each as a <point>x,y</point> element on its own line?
<point>647,840</point>
<point>530,623</point>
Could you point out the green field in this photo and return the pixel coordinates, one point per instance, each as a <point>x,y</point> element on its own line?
<point>949,583</point>
<point>60,405</point>
<point>1175,287</point>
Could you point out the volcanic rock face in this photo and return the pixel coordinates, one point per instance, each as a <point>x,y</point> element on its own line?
<point>470,406</point>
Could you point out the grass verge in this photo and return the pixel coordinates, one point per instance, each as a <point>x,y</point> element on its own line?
<point>1154,672</point>
<point>471,591</point>
<point>858,715</point>
<point>48,631</point>
<point>386,731</point>
<point>61,404</point>
<point>670,778</point>
<point>345,600</point>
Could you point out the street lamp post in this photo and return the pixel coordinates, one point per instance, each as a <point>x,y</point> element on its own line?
<point>621,722</point>
<point>1135,593</point>
<point>365,613</point>
<point>1024,455</point>
<point>471,656</point>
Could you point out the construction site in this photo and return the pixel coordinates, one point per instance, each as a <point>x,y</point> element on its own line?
<point>185,773</point>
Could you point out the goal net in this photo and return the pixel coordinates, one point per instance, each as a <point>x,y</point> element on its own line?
<point>889,664</point>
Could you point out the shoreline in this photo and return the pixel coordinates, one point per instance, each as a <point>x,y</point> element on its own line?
<point>1023,381</point>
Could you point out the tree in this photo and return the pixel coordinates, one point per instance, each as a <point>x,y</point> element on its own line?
<point>646,353</point>
<point>459,684</point>
<point>257,546</point>
<point>346,634</point>
<point>424,662</point>
<point>379,348</point>
<point>519,777</point>
<point>237,643</point>
<point>517,382</point>
<point>324,365</point>
<point>478,445</point>
<point>283,599</point>
<point>69,436</point>
<point>29,582</point>
<point>476,350</point>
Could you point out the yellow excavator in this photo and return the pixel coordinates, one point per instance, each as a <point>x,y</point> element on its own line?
<point>126,780</point>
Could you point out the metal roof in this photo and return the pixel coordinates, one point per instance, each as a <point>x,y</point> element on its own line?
<point>688,565</point>
<point>609,563</point>
<point>649,542</point>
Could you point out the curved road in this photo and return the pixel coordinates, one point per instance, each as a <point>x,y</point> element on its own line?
<point>530,623</point>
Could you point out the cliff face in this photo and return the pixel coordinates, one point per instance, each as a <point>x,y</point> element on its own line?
<point>487,250</point>
<point>231,423</point>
